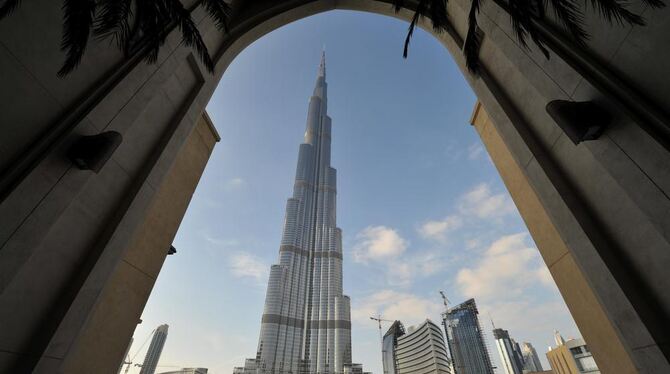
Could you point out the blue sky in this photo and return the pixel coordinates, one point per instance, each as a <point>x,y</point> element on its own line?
<point>421,206</point>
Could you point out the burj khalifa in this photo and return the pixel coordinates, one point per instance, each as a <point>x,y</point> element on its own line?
<point>306,323</point>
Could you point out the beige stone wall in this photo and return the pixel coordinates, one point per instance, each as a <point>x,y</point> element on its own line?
<point>561,361</point>
<point>113,319</point>
<point>587,312</point>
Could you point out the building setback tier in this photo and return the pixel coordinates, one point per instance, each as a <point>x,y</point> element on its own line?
<point>306,322</point>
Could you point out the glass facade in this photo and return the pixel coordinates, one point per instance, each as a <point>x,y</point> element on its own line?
<point>465,340</point>
<point>510,353</point>
<point>388,347</point>
<point>306,324</point>
<point>531,362</point>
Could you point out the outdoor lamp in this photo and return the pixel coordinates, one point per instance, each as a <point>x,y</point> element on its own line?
<point>580,121</point>
<point>92,152</point>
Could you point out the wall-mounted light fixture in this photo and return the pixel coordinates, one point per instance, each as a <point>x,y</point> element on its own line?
<point>579,120</point>
<point>172,250</point>
<point>92,152</point>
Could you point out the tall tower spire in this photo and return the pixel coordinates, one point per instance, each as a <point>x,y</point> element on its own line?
<point>306,323</point>
<point>322,65</point>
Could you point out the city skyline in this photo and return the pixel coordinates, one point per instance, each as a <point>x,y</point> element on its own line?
<point>404,240</point>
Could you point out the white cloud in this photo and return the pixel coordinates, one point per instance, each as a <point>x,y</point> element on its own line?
<point>384,248</point>
<point>236,182</point>
<point>512,286</point>
<point>378,243</point>
<point>393,305</point>
<point>437,230</point>
<point>475,151</point>
<point>482,203</point>
<point>246,265</point>
<point>508,267</point>
<point>220,242</point>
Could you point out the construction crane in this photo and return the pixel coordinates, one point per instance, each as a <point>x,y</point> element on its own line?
<point>132,360</point>
<point>379,321</point>
<point>381,339</point>
<point>445,301</point>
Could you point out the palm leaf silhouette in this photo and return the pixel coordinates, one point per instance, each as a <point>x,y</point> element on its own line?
<point>219,10</point>
<point>523,16</point>
<point>77,22</point>
<point>435,10</point>
<point>130,25</point>
<point>113,22</point>
<point>8,6</point>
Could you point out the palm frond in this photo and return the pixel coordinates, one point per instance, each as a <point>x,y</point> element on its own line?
<point>472,39</point>
<point>8,7</point>
<point>568,13</point>
<point>77,22</point>
<point>654,3</point>
<point>438,15</point>
<point>219,10</point>
<point>613,10</point>
<point>113,21</point>
<point>410,30</point>
<point>435,10</point>
<point>190,35</point>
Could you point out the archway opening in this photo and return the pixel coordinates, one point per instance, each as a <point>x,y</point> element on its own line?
<point>421,204</point>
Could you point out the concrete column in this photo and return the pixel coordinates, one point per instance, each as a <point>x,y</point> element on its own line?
<point>584,307</point>
<point>113,318</point>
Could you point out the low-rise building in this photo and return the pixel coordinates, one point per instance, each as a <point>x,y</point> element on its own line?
<point>571,357</point>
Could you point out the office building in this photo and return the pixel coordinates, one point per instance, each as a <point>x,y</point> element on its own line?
<point>389,342</point>
<point>155,349</point>
<point>509,351</point>
<point>465,340</point>
<point>531,361</point>
<point>422,351</point>
<point>306,325</point>
<point>571,357</point>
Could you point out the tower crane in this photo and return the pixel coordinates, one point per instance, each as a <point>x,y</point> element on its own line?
<point>445,301</point>
<point>132,360</point>
<point>379,320</point>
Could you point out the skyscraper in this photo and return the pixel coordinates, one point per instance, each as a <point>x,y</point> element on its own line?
<point>531,362</point>
<point>389,342</point>
<point>306,325</point>
<point>465,340</point>
<point>509,351</point>
<point>155,349</point>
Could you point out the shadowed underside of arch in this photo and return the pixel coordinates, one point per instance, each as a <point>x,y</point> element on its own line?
<point>78,253</point>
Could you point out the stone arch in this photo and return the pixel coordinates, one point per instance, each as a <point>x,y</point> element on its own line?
<point>597,210</point>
